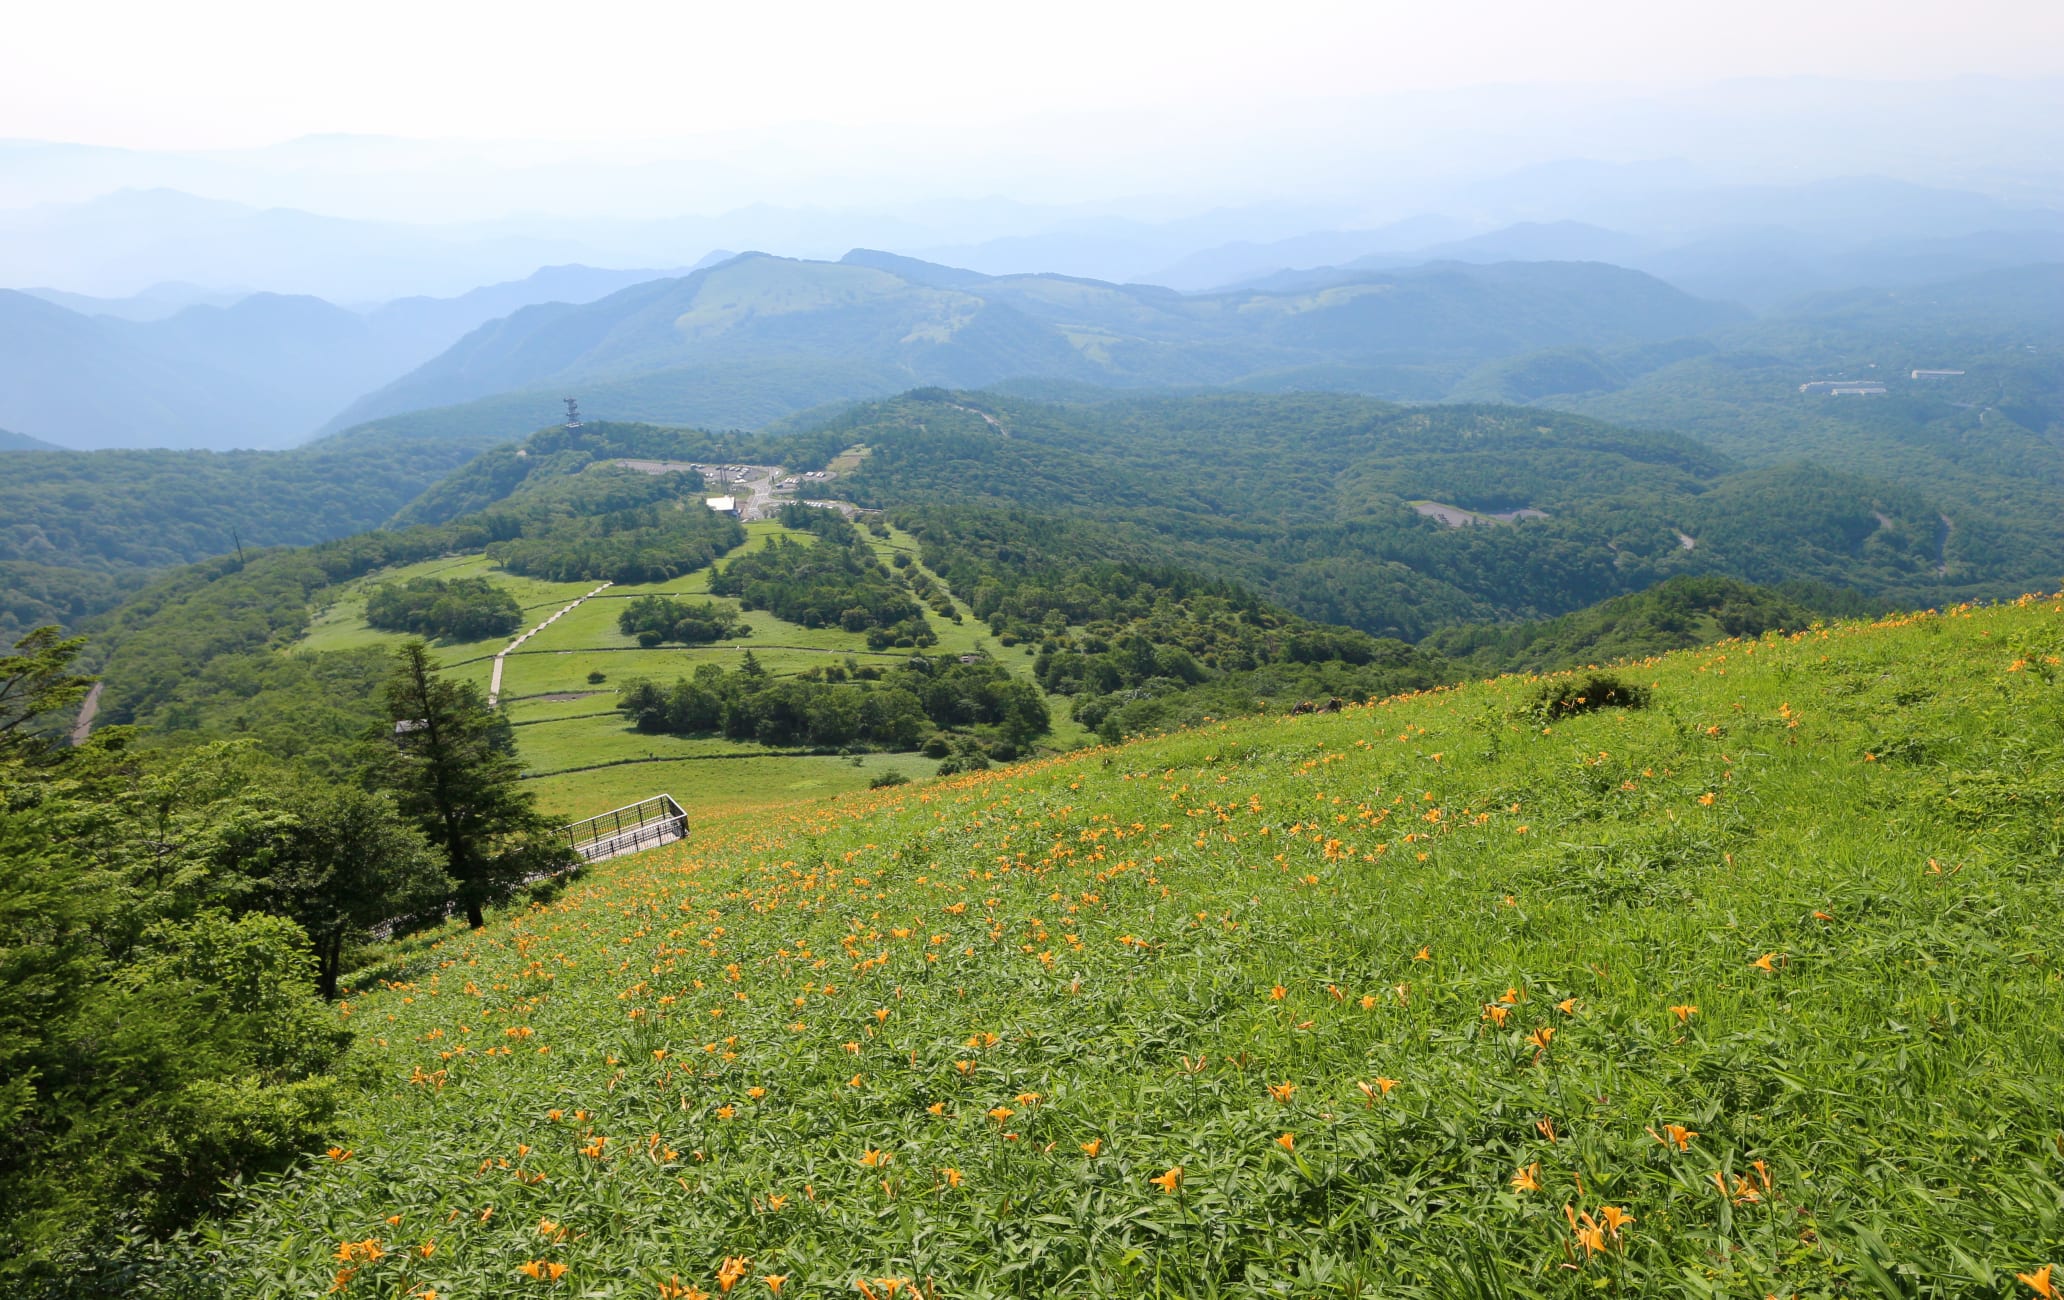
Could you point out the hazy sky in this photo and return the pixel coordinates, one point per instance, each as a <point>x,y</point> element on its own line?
<point>234,73</point>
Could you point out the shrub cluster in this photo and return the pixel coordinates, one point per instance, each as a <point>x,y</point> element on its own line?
<point>658,619</point>
<point>457,609</point>
<point>835,582</point>
<point>842,706</point>
<point>1565,697</point>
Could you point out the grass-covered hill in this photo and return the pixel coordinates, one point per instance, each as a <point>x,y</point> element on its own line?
<point>1729,977</point>
<point>756,337</point>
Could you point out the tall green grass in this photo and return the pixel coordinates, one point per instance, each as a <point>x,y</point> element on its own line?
<point>1421,998</point>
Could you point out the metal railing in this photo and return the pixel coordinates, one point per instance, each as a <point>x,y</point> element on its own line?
<point>646,824</point>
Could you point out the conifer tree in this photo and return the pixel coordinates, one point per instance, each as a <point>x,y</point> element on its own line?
<point>449,761</point>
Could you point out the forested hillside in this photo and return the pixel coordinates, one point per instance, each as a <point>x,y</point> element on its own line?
<point>201,640</point>
<point>1323,502</point>
<point>79,528</point>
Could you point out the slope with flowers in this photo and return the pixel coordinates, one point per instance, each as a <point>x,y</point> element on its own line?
<point>1752,990</point>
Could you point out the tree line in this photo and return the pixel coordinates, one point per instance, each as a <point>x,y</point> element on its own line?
<point>173,921</point>
<point>840,706</point>
<point>833,581</point>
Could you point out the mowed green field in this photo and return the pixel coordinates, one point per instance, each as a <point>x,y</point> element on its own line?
<point>1751,991</point>
<point>580,756</point>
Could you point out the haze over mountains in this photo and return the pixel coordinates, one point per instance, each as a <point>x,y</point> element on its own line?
<point>876,323</point>
<point>255,297</point>
<point>263,370</point>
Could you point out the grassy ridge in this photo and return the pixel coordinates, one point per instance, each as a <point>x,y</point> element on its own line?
<point>1411,996</point>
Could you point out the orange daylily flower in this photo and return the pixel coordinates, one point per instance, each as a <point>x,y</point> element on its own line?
<point>733,1270</point>
<point>1677,1136</point>
<point>2039,1282</point>
<point>874,1159</point>
<point>952,1177</point>
<point>1528,1179</point>
<point>1169,1181</point>
<point>775,1281</point>
<point>1768,961</point>
<point>1684,1012</point>
<point>1282,1091</point>
<point>1092,1147</point>
<point>1288,1141</point>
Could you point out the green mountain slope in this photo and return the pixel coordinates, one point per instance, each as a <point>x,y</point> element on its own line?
<point>10,441</point>
<point>1429,997</point>
<point>77,528</point>
<point>875,323</point>
<point>1323,503</point>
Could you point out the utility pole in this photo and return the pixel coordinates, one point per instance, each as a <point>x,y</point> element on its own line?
<point>239,543</point>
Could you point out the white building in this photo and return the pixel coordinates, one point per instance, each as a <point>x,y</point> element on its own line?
<point>722,505</point>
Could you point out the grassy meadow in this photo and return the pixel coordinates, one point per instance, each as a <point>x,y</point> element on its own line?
<point>1750,991</point>
<point>581,758</point>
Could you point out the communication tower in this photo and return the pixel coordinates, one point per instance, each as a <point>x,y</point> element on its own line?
<point>572,413</point>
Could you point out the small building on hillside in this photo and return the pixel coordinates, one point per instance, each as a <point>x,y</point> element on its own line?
<point>722,505</point>
<point>1844,387</point>
<point>1936,374</point>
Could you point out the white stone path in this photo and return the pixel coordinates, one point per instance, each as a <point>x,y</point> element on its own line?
<point>494,687</point>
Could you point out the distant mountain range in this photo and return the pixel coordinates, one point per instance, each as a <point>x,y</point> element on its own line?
<point>262,371</point>
<point>10,441</point>
<point>875,322</point>
<point>1759,246</point>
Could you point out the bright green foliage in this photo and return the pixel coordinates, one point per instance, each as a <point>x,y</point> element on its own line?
<point>1673,615</point>
<point>159,1030</point>
<point>1746,992</point>
<point>838,706</point>
<point>655,620</point>
<point>339,863</point>
<point>463,609</point>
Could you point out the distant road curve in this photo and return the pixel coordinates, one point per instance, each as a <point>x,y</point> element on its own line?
<point>87,709</point>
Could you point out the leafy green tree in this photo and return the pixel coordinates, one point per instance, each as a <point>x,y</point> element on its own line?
<point>339,862</point>
<point>449,760</point>
<point>153,1042</point>
<point>37,684</point>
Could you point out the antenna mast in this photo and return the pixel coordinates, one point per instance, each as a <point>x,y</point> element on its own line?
<point>572,413</point>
